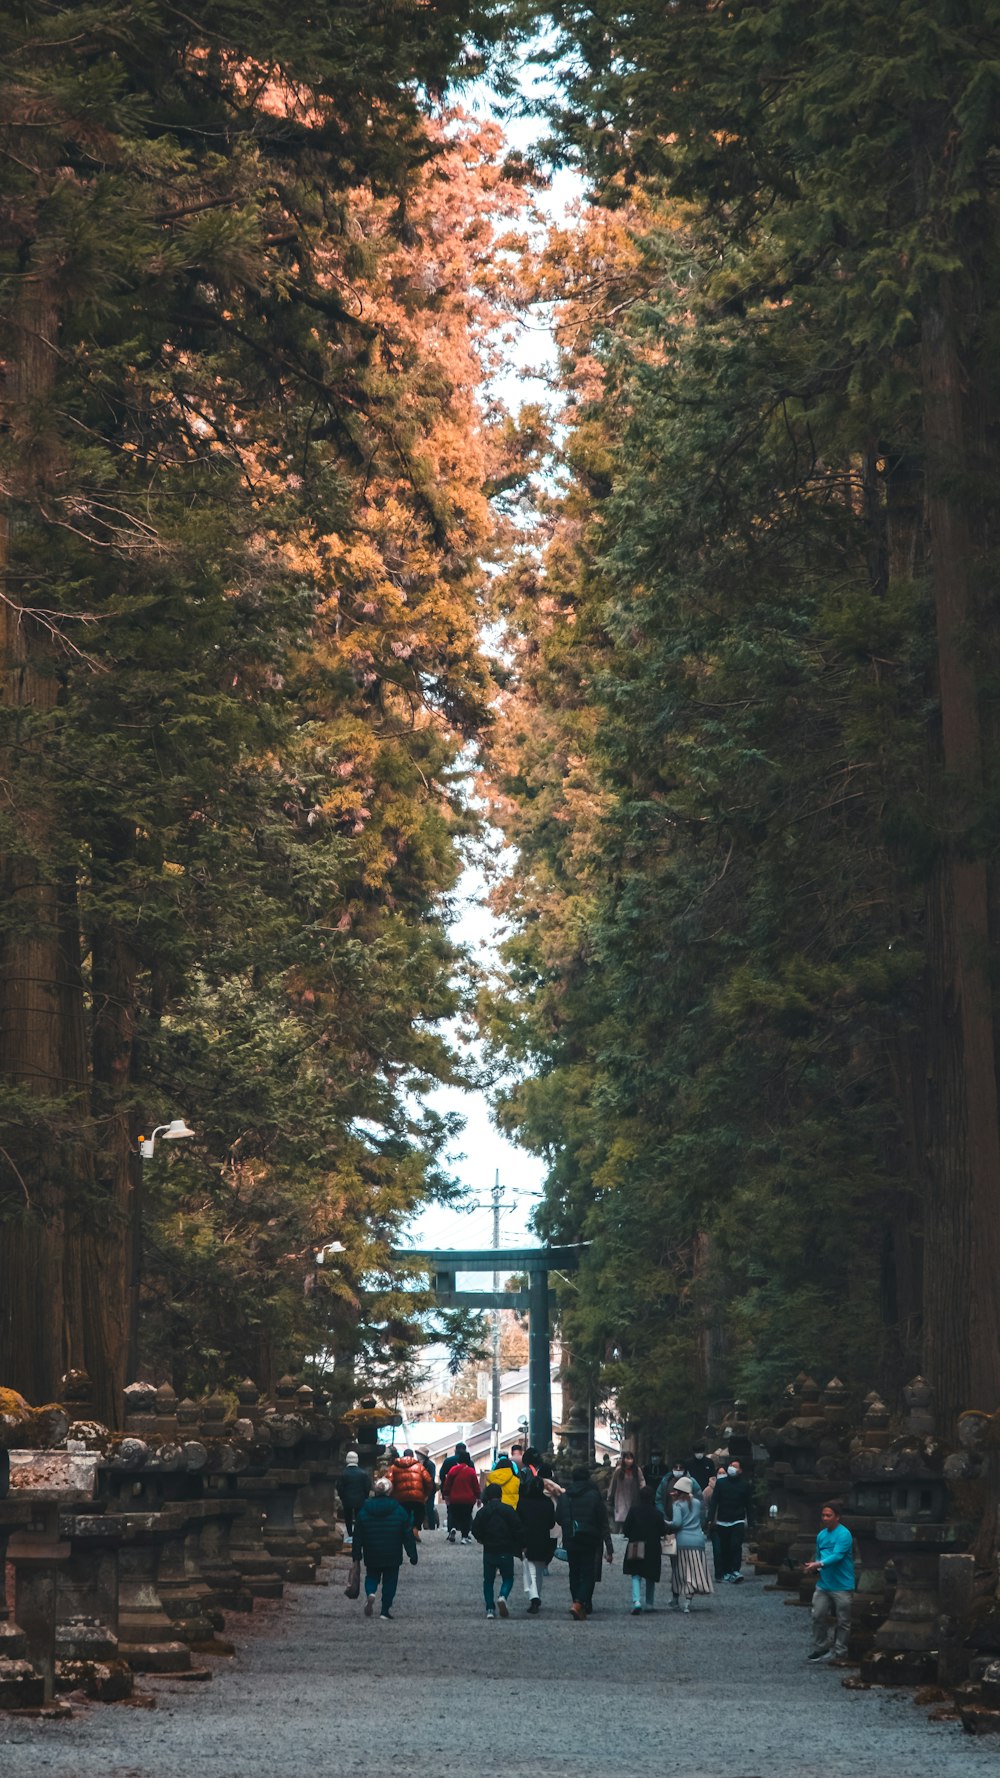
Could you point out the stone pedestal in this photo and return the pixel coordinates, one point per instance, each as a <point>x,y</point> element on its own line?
<point>251,1556</point>
<point>22,1686</point>
<point>955,1593</point>
<point>37,1560</point>
<point>905,1648</point>
<point>147,1639</point>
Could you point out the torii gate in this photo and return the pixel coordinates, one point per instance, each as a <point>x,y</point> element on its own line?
<point>445,1263</point>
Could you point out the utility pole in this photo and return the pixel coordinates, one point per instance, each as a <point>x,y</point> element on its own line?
<point>495,1393</point>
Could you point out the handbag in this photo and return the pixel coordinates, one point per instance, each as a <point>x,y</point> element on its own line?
<point>353,1587</point>
<point>670,1544</point>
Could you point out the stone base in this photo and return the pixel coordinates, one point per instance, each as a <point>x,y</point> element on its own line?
<point>156,1657</point>
<point>977,1719</point>
<point>85,1641</point>
<point>901,1666</point>
<point>21,1688</point>
<point>107,1682</point>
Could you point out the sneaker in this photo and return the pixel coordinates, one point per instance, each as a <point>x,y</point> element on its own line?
<point>820,1654</point>
<point>577,1611</point>
<point>369,1605</point>
<point>650,1608</point>
<point>387,1615</point>
<point>637,1611</point>
<point>491,1615</point>
<point>451,1537</point>
<point>534,1608</point>
<point>674,1605</point>
<point>737,1579</point>
<point>467,1540</point>
<point>686,1607</point>
<point>502,1608</point>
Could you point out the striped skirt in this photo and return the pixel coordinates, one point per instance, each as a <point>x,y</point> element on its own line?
<point>690,1573</point>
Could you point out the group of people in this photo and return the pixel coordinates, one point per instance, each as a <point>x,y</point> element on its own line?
<point>698,1509</point>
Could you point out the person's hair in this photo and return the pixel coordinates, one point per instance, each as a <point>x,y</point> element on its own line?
<point>461,1450</point>
<point>383,1485</point>
<point>493,1491</point>
<point>531,1455</point>
<point>581,1473</point>
<point>647,1494</point>
<point>518,1445</point>
<point>833,1506</point>
<point>628,1457</point>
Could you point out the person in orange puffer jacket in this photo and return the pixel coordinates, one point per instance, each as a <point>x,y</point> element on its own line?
<point>410,1486</point>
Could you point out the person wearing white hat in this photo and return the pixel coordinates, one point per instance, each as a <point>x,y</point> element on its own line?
<point>430,1522</point>
<point>689,1569</point>
<point>354,1487</point>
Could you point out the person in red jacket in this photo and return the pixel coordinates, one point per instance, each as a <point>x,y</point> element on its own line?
<point>410,1487</point>
<point>461,1490</point>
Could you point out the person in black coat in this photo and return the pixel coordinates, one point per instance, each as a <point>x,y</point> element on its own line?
<point>354,1487</point>
<point>583,1517</point>
<point>732,1505</point>
<point>537,1514</point>
<point>382,1531</point>
<point>499,1530</point>
<point>645,1527</point>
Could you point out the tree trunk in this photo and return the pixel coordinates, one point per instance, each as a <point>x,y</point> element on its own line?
<point>112,1312</point>
<point>962,1230</point>
<point>32,1166</point>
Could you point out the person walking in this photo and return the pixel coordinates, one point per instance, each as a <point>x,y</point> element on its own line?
<point>623,1489</point>
<point>834,1595</point>
<point>353,1486</point>
<point>732,1500</point>
<point>430,1515</point>
<point>583,1518</point>
<point>460,1489</point>
<point>382,1531</point>
<point>674,1472</point>
<point>700,1466</point>
<point>459,1455</point>
<point>505,1477</point>
<point>645,1529</point>
<point>689,1570</point>
<point>499,1530</point>
<point>537,1514</point>
<point>410,1485</point>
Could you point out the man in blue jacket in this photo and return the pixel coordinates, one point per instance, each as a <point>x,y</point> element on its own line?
<point>834,1570</point>
<point>382,1530</point>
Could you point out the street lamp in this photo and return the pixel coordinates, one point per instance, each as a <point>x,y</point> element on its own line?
<point>172,1132</point>
<point>328,1247</point>
<point>175,1131</point>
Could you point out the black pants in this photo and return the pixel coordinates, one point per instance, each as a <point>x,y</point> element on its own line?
<point>582,1573</point>
<point>348,1512</point>
<point>460,1519</point>
<point>731,1547</point>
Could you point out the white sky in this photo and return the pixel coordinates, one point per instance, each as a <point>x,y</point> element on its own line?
<point>482,1150</point>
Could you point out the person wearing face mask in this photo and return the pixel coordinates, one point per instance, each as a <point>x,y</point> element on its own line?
<point>732,1499</point>
<point>675,1472</point>
<point>700,1467</point>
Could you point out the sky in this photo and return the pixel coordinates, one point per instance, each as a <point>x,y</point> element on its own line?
<point>482,1150</point>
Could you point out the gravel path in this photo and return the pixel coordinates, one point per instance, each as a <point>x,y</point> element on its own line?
<point>319,1691</point>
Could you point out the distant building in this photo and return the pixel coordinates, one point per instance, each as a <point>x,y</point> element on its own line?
<point>441,1436</point>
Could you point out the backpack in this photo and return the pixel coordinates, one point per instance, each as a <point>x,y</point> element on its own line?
<point>586,1518</point>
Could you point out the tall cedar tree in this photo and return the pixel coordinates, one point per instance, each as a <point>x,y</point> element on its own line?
<point>836,164</point>
<point>209,417</point>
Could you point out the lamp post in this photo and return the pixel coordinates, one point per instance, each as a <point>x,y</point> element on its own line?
<point>175,1131</point>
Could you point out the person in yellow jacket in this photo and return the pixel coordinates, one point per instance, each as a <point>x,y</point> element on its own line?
<point>507,1479</point>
